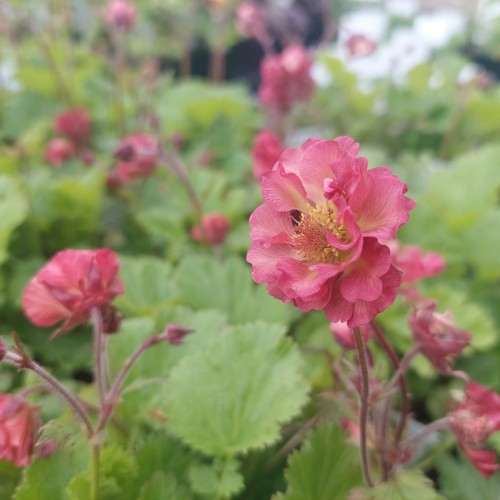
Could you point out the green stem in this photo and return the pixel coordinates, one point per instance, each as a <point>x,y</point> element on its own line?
<point>364,405</point>
<point>96,467</point>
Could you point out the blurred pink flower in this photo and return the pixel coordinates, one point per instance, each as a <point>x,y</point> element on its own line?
<point>70,285</point>
<point>414,263</point>
<point>121,14</point>
<point>267,149</point>
<point>19,429</point>
<point>58,151</point>
<point>360,46</point>
<point>440,340</point>
<point>475,419</point>
<point>315,240</point>
<point>249,22</point>
<point>286,78</point>
<point>344,336</point>
<point>213,229</point>
<point>138,155</point>
<point>74,125</point>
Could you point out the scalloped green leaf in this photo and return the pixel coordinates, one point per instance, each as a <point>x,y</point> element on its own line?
<point>406,485</point>
<point>148,285</point>
<point>232,395</point>
<point>460,481</point>
<point>163,486</point>
<point>325,468</point>
<point>207,283</point>
<point>13,207</point>
<point>220,480</point>
<point>47,478</point>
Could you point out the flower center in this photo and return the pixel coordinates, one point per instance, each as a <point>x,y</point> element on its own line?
<point>310,235</point>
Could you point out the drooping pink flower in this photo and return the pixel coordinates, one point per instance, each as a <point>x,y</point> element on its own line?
<point>212,229</point>
<point>267,149</point>
<point>19,429</point>
<point>58,151</point>
<point>415,264</point>
<point>344,336</point>
<point>360,46</point>
<point>475,419</point>
<point>138,155</point>
<point>70,285</point>
<point>286,79</point>
<point>74,125</point>
<point>121,14</point>
<point>439,339</point>
<point>316,240</point>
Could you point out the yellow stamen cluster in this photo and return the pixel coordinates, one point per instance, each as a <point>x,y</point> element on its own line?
<point>310,235</point>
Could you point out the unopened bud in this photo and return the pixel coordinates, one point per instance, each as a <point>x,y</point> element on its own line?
<point>174,334</point>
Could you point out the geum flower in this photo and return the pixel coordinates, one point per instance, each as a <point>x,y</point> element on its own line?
<point>70,285</point>
<point>439,339</point>
<point>19,429</point>
<point>316,238</point>
<point>473,421</point>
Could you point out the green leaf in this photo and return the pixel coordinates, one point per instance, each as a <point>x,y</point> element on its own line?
<point>164,486</point>
<point>461,481</point>
<point>233,395</point>
<point>9,476</point>
<point>46,478</point>
<point>325,468</point>
<point>13,207</point>
<point>221,480</point>
<point>207,283</point>
<point>148,285</point>
<point>406,485</point>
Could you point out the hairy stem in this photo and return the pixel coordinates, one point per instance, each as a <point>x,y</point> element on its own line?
<point>364,405</point>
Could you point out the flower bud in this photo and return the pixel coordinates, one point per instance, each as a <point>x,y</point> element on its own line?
<point>174,334</point>
<point>58,151</point>
<point>121,14</point>
<point>213,229</point>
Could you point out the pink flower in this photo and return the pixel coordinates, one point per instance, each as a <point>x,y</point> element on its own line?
<point>344,336</point>
<point>70,285</point>
<point>74,125</point>
<point>267,149</point>
<point>360,46</point>
<point>213,229</point>
<point>58,151</point>
<point>439,339</point>
<point>121,14</point>
<point>475,419</point>
<point>316,239</point>
<point>286,78</point>
<point>413,263</point>
<point>138,155</point>
<point>19,429</point>
<point>249,22</point>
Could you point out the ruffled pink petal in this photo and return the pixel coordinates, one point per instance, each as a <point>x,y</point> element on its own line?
<point>362,280</point>
<point>282,191</point>
<point>268,226</point>
<point>485,461</point>
<point>316,166</point>
<point>348,144</point>
<point>264,260</point>
<point>40,306</point>
<point>379,203</point>
<point>362,312</point>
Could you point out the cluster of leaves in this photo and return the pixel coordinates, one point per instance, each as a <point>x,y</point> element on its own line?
<point>220,415</point>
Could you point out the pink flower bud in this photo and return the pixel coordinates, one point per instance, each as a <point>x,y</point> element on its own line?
<point>19,429</point>
<point>174,334</point>
<point>70,285</point>
<point>267,149</point>
<point>74,125</point>
<point>344,335</point>
<point>58,151</point>
<point>121,14</point>
<point>138,155</point>
<point>212,230</point>
<point>440,340</point>
<point>360,46</point>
